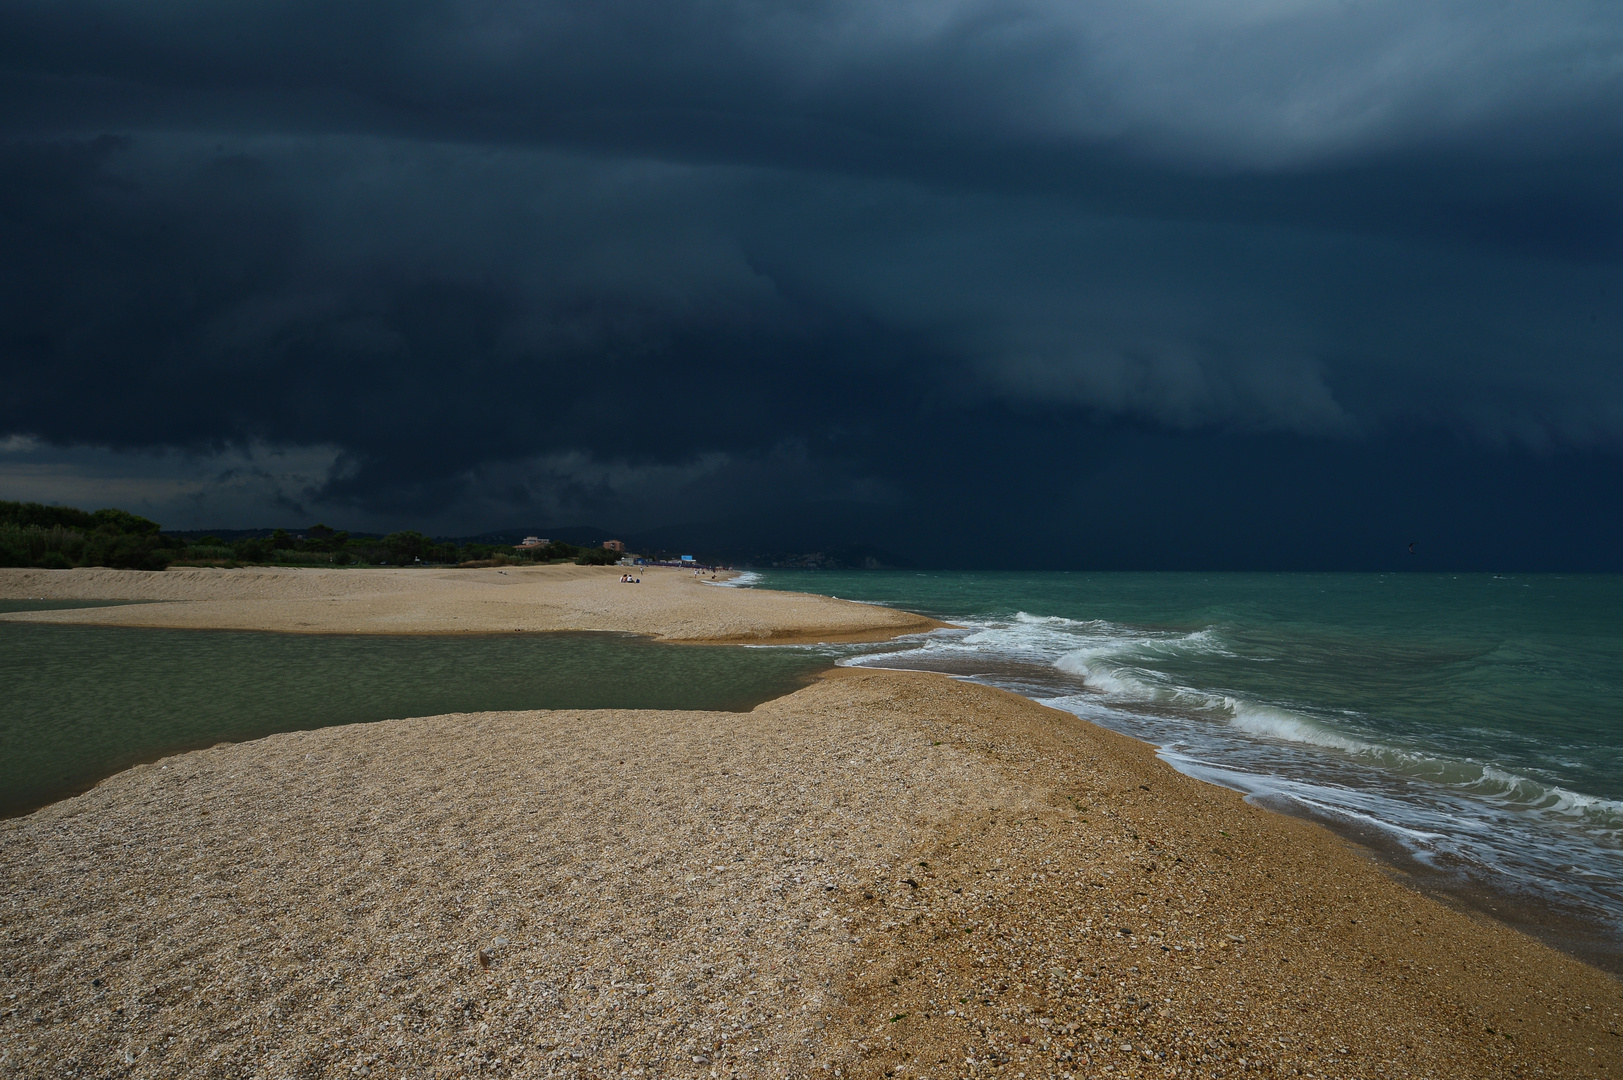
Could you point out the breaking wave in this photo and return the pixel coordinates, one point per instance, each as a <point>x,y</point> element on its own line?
<point>1495,821</point>
<point>743,581</point>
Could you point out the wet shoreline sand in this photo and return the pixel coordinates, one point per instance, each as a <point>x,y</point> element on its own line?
<point>1585,935</point>
<point>883,874</point>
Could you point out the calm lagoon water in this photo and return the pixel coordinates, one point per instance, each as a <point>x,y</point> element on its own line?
<point>78,703</point>
<point>1470,727</point>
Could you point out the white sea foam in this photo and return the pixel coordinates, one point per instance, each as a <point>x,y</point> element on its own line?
<point>1449,811</point>
<point>1512,789</point>
<point>1121,663</point>
<point>743,581</point>
<point>1488,782</point>
<point>1414,839</point>
<point>1278,723</point>
<point>1089,665</point>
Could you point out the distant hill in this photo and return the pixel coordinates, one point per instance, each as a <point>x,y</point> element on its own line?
<point>831,536</point>
<point>233,535</point>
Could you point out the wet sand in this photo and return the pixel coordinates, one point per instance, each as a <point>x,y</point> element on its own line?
<point>883,874</point>
<point>668,604</point>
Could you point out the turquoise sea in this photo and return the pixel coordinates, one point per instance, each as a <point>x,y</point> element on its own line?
<point>1468,727</point>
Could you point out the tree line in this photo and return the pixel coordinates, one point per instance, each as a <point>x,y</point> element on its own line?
<point>60,537</point>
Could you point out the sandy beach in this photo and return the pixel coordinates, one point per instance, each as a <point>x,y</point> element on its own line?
<point>883,874</point>
<point>668,604</point>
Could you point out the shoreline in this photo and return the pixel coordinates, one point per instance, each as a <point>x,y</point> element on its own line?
<point>669,605</point>
<point>884,873</point>
<point>1584,938</point>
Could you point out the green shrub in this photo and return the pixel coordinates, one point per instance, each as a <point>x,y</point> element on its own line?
<point>407,546</point>
<point>45,517</point>
<point>122,521</point>
<point>13,552</point>
<point>125,552</point>
<point>34,545</point>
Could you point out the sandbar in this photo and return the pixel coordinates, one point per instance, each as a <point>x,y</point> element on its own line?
<point>668,604</point>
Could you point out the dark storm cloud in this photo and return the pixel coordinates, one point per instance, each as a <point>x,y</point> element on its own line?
<point>428,308</point>
<point>1266,82</point>
<point>655,259</point>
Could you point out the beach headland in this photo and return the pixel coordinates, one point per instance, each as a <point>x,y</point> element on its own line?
<point>883,874</point>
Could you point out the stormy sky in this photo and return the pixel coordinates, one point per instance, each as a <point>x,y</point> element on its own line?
<point>1103,283</point>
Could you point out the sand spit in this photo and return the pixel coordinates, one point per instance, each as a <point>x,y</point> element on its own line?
<point>882,874</point>
<point>512,893</point>
<point>669,604</point>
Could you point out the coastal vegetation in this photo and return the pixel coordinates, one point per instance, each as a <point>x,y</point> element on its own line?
<point>60,537</point>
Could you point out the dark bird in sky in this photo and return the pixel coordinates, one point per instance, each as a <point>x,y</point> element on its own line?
<point>1411,547</point>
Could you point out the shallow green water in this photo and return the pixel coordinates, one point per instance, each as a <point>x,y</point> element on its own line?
<point>78,703</point>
